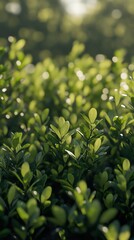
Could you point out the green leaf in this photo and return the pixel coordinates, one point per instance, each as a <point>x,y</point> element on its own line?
<point>77,151</point>
<point>107,118</point>
<point>94,211</point>
<point>104,178</point>
<point>1,208</point>
<point>20,44</point>
<point>117,97</point>
<point>44,114</point>
<point>78,197</point>
<point>39,222</point>
<point>85,118</point>
<point>46,194</point>
<point>37,118</point>
<point>83,186</point>
<point>11,194</point>
<point>55,130</point>
<point>27,178</point>
<point>64,129</point>
<point>59,214</point>
<point>122,184</point>
<point>97,144</point>
<point>70,178</point>
<point>61,121</point>
<point>111,232</point>
<point>109,200</point>
<point>31,204</point>
<point>25,168</point>
<point>23,214</point>
<point>126,165</point>
<point>16,139</point>
<point>125,233</point>
<point>15,142</point>
<point>92,115</point>
<point>108,215</point>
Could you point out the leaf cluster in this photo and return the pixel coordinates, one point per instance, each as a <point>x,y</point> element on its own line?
<point>66,150</point>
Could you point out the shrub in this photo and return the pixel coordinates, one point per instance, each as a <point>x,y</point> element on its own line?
<point>66,147</point>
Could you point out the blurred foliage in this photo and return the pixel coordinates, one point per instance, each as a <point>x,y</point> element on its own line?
<point>110,28</point>
<point>49,31</point>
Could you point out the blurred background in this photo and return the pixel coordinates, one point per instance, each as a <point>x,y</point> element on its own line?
<point>51,26</point>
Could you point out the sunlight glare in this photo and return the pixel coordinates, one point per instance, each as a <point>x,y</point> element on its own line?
<point>78,7</point>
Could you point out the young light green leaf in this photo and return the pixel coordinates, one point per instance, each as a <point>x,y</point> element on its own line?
<point>83,186</point>
<point>23,214</point>
<point>79,198</point>
<point>32,207</point>
<point>92,115</point>
<point>97,144</point>
<point>61,121</point>
<point>111,232</point>
<point>77,151</point>
<point>37,118</point>
<point>56,131</point>
<point>126,165</point>
<point>94,211</point>
<point>20,44</point>
<point>64,129</point>
<point>32,203</point>
<point>46,194</point>
<point>25,168</point>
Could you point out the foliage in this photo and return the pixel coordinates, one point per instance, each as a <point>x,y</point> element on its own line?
<point>103,30</point>
<point>66,146</point>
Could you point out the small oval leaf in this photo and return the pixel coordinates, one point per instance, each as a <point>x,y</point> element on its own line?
<point>11,194</point>
<point>108,215</point>
<point>23,214</point>
<point>25,168</point>
<point>64,129</point>
<point>46,194</point>
<point>126,165</point>
<point>55,130</point>
<point>97,144</point>
<point>92,115</point>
